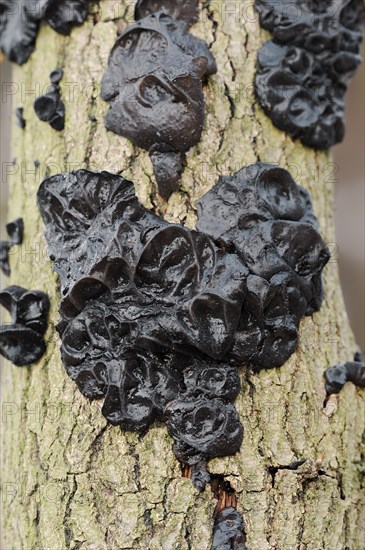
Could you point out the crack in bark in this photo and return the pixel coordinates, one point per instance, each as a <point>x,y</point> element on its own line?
<point>67,514</point>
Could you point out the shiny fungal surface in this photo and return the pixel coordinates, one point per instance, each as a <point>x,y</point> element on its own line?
<point>338,375</point>
<point>50,107</point>
<point>229,531</point>
<point>21,342</point>
<point>185,10</point>
<point>153,83</point>
<point>156,317</point>
<point>15,231</point>
<point>303,72</point>
<point>20,20</point>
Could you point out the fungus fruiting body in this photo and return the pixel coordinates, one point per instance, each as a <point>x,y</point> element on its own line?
<point>229,531</point>
<point>20,20</point>
<point>50,107</point>
<point>302,73</point>
<point>15,232</point>
<point>338,375</point>
<point>156,317</point>
<point>154,86</point>
<point>22,342</point>
<point>20,120</point>
<point>184,10</point>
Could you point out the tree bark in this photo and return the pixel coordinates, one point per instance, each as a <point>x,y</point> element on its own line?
<point>72,482</point>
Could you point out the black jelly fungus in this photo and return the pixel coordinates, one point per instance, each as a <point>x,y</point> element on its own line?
<point>154,86</point>
<point>20,120</point>
<point>200,475</point>
<point>4,257</point>
<point>186,10</point>
<point>352,371</point>
<point>20,20</point>
<point>50,107</point>
<point>15,231</point>
<point>56,76</point>
<point>302,73</point>
<point>265,218</point>
<point>156,317</point>
<point>22,342</point>
<point>167,169</point>
<point>229,531</point>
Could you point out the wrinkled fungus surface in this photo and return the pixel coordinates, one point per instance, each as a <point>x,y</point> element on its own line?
<point>229,531</point>
<point>185,10</point>
<point>15,232</point>
<point>154,86</point>
<point>156,317</point>
<point>50,107</point>
<point>20,20</point>
<point>21,342</point>
<point>303,71</point>
<point>352,371</point>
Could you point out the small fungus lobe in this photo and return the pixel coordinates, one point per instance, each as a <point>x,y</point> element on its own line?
<point>184,10</point>
<point>352,371</point>
<point>15,232</point>
<point>20,120</point>
<point>156,317</point>
<point>50,107</point>
<point>229,531</point>
<point>154,86</point>
<point>20,20</point>
<point>302,73</point>
<point>21,342</point>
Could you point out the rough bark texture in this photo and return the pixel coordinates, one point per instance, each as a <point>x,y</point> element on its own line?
<point>70,481</point>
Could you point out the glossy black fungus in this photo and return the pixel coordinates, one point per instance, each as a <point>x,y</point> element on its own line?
<point>154,85</point>
<point>22,341</point>
<point>167,168</point>
<point>200,475</point>
<point>20,120</point>
<point>203,427</point>
<point>156,317</point>
<point>303,71</point>
<point>20,19</point>
<point>264,217</point>
<point>62,15</point>
<point>352,371</point>
<point>185,10</point>
<point>50,107</point>
<point>229,531</point>
<point>15,231</point>
<point>56,76</point>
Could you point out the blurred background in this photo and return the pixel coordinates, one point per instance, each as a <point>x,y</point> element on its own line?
<point>350,196</point>
<point>350,206</point>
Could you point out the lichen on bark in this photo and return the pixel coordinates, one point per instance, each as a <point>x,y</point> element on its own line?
<point>69,480</point>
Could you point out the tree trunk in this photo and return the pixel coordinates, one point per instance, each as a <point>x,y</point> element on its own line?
<point>72,482</point>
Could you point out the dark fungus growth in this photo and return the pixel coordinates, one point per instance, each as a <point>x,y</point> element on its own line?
<point>50,107</point>
<point>352,371</point>
<point>154,85</point>
<point>229,531</point>
<point>20,20</point>
<point>20,120</point>
<point>303,71</point>
<point>21,342</point>
<point>184,10</point>
<point>15,232</point>
<point>156,317</point>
